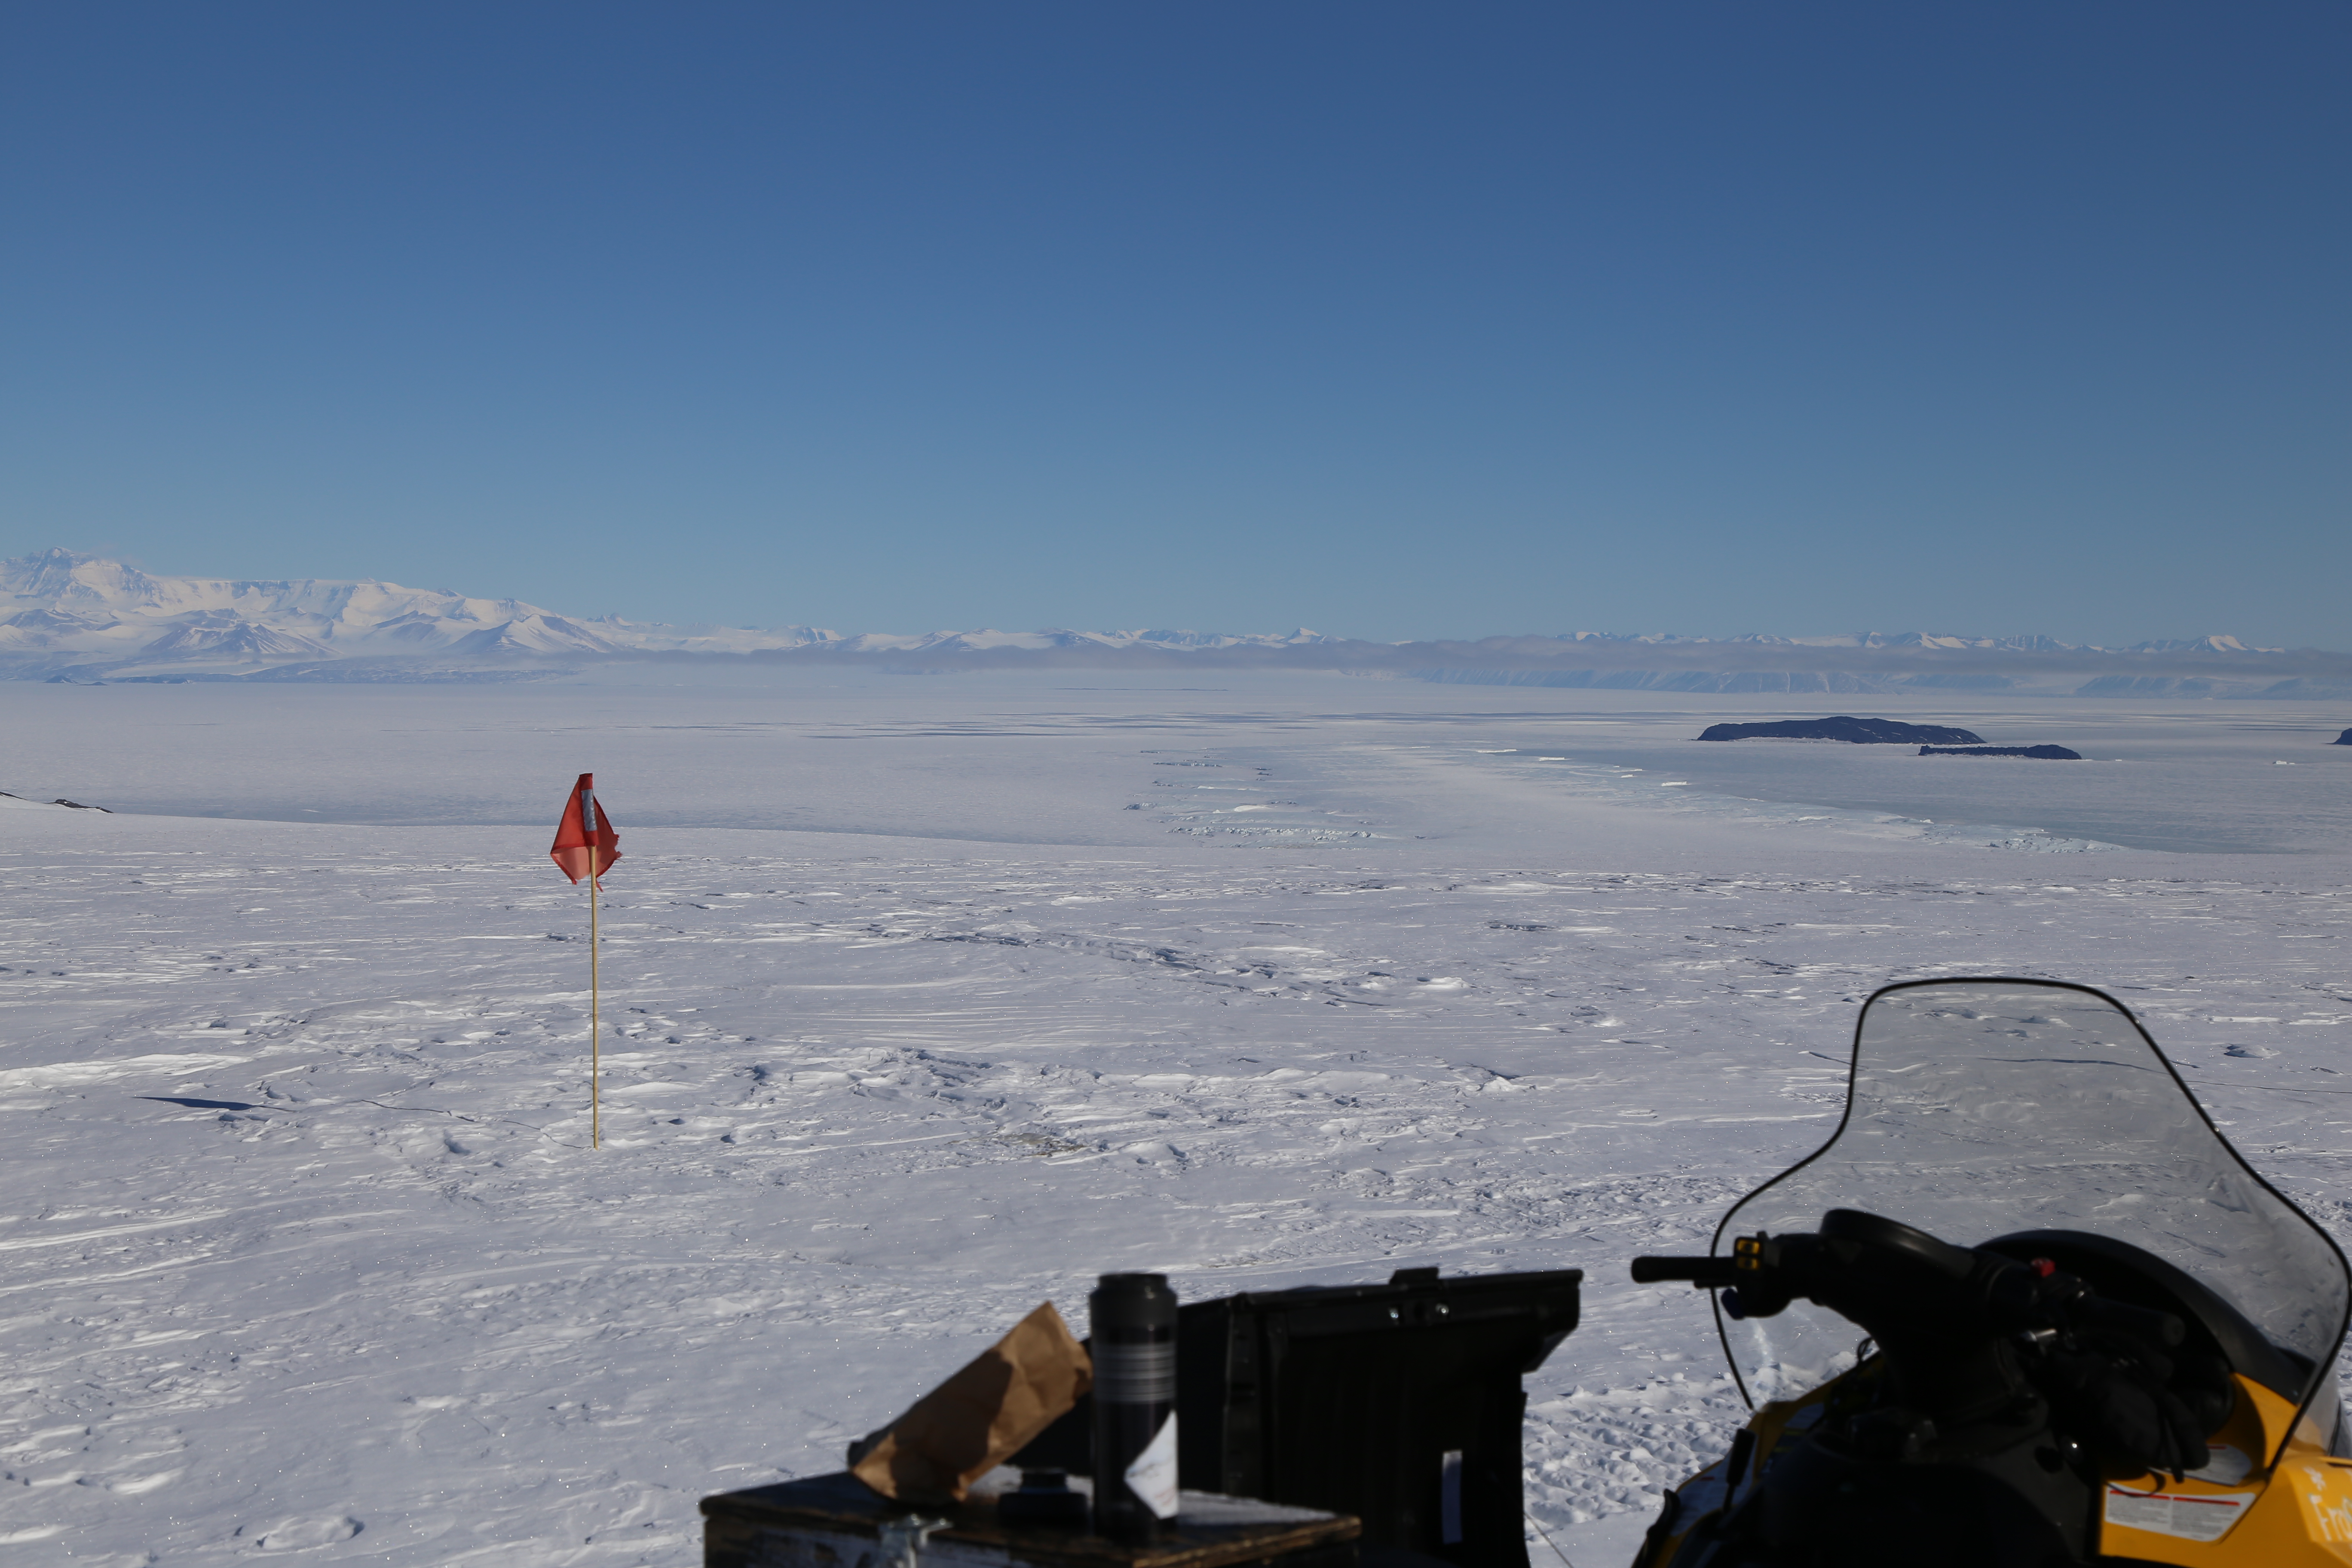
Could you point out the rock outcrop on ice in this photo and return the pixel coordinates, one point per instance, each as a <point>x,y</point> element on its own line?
<point>7,799</point>
<point>2045,754</point>
<point>76,619</point>
<point>1860,732</point>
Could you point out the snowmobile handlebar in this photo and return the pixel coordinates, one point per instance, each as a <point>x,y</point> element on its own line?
<point>2162,1327</point>
<point>1858,1261</point>
<point>1711,1273</point>
<point>1965,1331</point>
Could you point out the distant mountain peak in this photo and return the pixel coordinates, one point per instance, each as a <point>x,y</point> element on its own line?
<point>64,606</point>
<point>61,610</point>
<point>2216,643</point>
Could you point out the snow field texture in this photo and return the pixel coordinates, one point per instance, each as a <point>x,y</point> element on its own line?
<point>302,1248</point>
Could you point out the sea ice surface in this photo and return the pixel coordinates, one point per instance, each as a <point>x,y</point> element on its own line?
<point>910,1024</point>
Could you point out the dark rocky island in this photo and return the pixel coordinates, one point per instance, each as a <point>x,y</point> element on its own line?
<point>2343,739</point>
<point>59,801</point>
<point>1861,732</point>
<point>2047,754</point>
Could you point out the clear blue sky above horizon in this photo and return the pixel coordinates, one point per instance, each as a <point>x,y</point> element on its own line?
<point>1393,321</point>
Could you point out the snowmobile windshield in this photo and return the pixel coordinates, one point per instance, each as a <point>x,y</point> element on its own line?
<point>1978,1109</point>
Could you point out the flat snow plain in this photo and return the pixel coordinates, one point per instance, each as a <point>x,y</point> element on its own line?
<point>929,998</point>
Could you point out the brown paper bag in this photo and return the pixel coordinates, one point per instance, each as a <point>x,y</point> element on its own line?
<point>980,1417</point>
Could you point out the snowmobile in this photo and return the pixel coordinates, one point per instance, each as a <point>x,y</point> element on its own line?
<point>2090,1332</point>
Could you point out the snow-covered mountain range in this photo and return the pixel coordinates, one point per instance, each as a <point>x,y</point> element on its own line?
<point>60,603</point>
<point>2215,643</point>
<point>95,610</point>
<point>65,616</point>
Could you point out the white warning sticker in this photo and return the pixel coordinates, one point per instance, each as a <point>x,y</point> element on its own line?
<point>2199,1516</point>
<point>2227,1467</point>
<point>1152,1477</point>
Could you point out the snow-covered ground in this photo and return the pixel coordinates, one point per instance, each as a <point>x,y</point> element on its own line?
<point>930,999</point>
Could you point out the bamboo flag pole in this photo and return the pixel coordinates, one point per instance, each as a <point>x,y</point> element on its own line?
<point>595,1032</point>
<point>587,843</point>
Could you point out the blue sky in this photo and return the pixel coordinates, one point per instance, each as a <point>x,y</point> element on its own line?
<point>1393,321</point>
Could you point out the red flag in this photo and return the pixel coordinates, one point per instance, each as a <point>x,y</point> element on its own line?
<point>584,823</point>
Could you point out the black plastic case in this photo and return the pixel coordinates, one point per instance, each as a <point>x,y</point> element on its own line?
<point>1399,1404</point>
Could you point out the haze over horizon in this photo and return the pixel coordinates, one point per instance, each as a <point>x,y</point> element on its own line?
<point>110,604</point>
<point>1388,321</point>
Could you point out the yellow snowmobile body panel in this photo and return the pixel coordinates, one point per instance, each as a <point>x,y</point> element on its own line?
<point>2297,1514</point>
<point>2232,1515</point>
<point>2136,1280</point>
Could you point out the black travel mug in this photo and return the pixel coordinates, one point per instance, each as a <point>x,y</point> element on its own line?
<point>1134,1321</point>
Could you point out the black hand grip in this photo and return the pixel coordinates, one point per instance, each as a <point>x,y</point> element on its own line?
<point>2162,1327</point>
<point>1711,1272</point>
